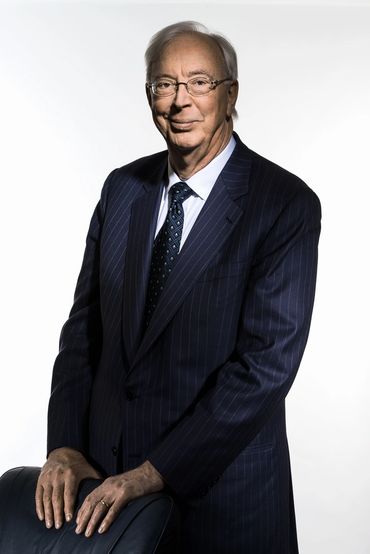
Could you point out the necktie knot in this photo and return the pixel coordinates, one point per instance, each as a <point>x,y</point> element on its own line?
<point>179,192</point>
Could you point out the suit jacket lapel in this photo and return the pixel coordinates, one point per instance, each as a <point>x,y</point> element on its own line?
<point>216,221</point>
<point>144,214</point>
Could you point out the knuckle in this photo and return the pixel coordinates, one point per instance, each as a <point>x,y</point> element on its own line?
<point>72,481</point>
<point>71,484</point>
<point>70,474</point>
<point>47,486</point>
<point>42,479</point>
<point>68,494</point>
<point>57,476</point>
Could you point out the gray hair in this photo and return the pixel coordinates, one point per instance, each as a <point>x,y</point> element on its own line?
<point>160,39</point>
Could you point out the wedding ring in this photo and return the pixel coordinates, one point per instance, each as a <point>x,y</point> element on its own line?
<point>105,504</point>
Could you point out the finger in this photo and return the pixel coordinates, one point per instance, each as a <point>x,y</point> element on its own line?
<point>112,514</point>
<point>48,508</point>
<point>98,514</point>
<point>38,501</point>
<point>84,513</point>
<point>70,492</point>
<point>58,504</point>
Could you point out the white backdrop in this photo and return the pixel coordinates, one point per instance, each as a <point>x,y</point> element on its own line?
<point>73,107</point>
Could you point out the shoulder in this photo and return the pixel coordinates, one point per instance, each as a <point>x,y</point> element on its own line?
<point>140,168</point>
<point>143,165</point>
<point>277,187</point>
<point>137,172</point>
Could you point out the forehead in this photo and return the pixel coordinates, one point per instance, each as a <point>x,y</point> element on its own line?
<point>187,54</point>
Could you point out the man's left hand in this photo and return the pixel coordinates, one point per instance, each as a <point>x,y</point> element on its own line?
<point>103,504</point>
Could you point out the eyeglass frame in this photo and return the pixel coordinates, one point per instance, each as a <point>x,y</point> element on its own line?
<point>213,85</point>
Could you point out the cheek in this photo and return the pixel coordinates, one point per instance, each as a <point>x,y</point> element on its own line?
<point>211,121</point>
<point>159,119</point>
<point>159,108</point>
<point>213,113</point>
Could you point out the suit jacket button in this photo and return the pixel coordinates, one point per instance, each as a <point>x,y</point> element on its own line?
<point>114,450</point>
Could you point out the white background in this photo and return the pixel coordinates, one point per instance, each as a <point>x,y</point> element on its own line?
<point>73,107</point>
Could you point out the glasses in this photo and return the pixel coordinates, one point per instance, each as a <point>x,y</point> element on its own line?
<point>198,86</point>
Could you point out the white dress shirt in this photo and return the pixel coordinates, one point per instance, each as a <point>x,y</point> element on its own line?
<point>201,183</point>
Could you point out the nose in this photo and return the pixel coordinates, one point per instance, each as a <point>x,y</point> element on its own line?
<point>181,97</point>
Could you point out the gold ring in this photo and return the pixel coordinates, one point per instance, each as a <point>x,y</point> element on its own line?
<point>105,504</point>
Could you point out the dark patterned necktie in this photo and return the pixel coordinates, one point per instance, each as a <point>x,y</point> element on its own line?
<point>166,246</point>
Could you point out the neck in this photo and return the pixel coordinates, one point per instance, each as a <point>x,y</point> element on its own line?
<point>188,162</point>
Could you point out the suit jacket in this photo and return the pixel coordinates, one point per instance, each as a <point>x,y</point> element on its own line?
<point>201,392</point>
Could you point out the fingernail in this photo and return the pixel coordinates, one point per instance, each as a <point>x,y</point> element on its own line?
<point>78,530</point>
<point>68,517</point>
<point>57,525</point>
<point>48,524</point>
<point>101,529</point>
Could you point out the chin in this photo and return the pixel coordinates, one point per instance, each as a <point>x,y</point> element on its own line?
<point>184,141</point>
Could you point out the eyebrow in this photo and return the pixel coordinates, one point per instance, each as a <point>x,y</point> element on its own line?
<point>190,74</point>
<point>199,72</point>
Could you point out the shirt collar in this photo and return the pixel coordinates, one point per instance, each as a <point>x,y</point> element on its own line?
<point>202,181</point>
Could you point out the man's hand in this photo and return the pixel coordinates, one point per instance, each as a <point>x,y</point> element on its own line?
<point>58,484</point>
<point>104,503</point>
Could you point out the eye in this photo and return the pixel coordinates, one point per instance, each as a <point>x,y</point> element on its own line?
<point>200,85</point>
<point>163,84</point>
<point>200,82</point>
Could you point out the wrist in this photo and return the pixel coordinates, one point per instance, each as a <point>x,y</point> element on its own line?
<point>64,453</point>
<point>151,472</point>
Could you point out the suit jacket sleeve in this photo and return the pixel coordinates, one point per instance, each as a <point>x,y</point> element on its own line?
<point>273,332</point>
<point>79,349</point>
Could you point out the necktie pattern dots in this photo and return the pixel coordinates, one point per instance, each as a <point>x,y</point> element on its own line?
<point>166,246</point>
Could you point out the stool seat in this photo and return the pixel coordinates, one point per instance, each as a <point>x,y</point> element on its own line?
<point>137,530</point>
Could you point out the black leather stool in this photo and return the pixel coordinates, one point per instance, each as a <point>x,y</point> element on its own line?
<point>138,529</point>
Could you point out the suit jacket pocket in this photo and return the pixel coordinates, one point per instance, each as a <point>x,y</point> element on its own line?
<point>223,271</point>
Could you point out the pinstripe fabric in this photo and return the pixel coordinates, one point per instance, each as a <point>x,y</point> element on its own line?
<point>201,392</point>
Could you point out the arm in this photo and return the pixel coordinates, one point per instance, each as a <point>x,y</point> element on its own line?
<point>79,350</point>
<point>274,327</point>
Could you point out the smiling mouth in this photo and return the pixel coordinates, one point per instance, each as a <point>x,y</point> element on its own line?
<point>181,125</point>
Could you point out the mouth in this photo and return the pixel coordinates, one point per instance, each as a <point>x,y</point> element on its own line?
<point>182,125</point>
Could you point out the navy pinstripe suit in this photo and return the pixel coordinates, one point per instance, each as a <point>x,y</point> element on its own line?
<point>201,392</point>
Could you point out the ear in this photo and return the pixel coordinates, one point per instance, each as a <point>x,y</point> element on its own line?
<point>149,96</point>
<point>232,96</point>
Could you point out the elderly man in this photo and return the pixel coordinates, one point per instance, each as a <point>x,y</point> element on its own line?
<point>190,318</point>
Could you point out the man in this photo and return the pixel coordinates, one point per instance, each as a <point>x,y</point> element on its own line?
<point>177,356</point>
